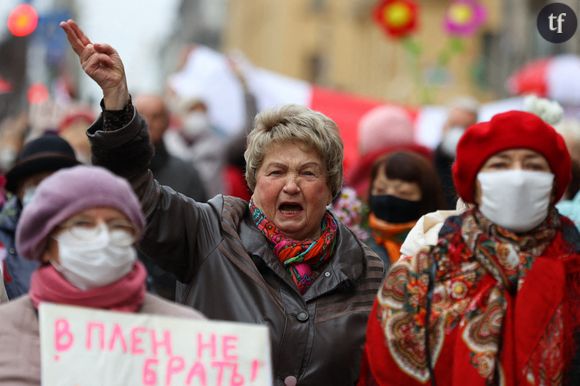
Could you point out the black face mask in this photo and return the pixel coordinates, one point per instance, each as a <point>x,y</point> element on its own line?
<point>394,209</point>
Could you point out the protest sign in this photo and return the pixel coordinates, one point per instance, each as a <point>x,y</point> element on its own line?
<point>83,346</point>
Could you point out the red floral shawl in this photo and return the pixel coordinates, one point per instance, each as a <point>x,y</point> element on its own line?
<point>504,308</point>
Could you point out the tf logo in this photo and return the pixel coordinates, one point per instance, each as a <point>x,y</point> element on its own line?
<point>557,22</point>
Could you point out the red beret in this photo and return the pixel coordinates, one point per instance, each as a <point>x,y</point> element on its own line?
<point>509,130</point>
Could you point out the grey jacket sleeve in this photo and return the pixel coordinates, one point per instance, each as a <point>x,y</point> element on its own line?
<point>180,232</point>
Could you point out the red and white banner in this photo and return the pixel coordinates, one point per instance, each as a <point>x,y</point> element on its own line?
<point>207,75</point>
<point>556,78</point>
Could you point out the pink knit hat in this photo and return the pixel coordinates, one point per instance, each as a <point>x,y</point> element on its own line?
<point>384,126</point>
<point>66,193</point>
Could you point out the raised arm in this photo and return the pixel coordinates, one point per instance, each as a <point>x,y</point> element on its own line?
<point>179,231</point>
<point>102,63</point>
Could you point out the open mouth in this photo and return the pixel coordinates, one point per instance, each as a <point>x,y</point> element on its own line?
<point>290,208</point>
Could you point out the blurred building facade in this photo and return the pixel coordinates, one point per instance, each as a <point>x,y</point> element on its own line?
<point>335,43</point>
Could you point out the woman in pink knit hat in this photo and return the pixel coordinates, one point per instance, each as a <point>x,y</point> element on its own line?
<point>497,300</point>
<point>385,126</point>
<point>381,131</point>
<point>82,225</point>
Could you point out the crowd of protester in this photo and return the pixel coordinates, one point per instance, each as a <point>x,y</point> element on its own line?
<point>456,265</point>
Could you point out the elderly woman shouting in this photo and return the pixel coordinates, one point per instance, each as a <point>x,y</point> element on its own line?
<point>281,260</point>
<point>497,300</point>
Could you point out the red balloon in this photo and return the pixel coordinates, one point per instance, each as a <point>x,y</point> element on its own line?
<point>23,20</point>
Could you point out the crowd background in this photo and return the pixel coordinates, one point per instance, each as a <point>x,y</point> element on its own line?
<point>421,66</point>
<point>402,79</point>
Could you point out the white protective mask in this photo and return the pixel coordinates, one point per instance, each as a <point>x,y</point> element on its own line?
<point>7,158</point>
<point>451,139</point>
<point>90,258</point>
<point>195,124</point>
<point>28,195</point>
<point>517,200</point>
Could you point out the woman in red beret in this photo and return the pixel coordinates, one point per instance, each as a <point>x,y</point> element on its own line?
<point>497,300</point>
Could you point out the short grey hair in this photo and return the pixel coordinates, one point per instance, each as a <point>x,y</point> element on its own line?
<point>296,123</point>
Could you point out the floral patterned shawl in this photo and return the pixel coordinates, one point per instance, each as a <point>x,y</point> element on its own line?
<point>502,308</point>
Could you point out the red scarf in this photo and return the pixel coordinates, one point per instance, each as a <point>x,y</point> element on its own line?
<point>504,308</point>
<point>301,258</point>
<point>126,294</point>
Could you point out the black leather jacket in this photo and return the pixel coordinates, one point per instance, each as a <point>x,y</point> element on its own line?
<point>228,270</point>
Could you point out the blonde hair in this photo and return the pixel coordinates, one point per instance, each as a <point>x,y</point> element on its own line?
<point>295,123</point>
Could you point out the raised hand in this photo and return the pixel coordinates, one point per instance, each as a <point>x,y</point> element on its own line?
<point>102,63</point>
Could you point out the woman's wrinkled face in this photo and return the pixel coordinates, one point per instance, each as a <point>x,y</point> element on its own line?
<point>292,190</point>
<point>513,159</point>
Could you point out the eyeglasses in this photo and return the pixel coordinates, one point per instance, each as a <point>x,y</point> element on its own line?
<point>122,232</point>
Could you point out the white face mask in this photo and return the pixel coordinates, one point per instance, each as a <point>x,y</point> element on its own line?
<point>517,200</point>
<point>7,158</point>
<point>90,258</point>
<point>28,195</point>
<point>451,139</point>
<point>196,123</point>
